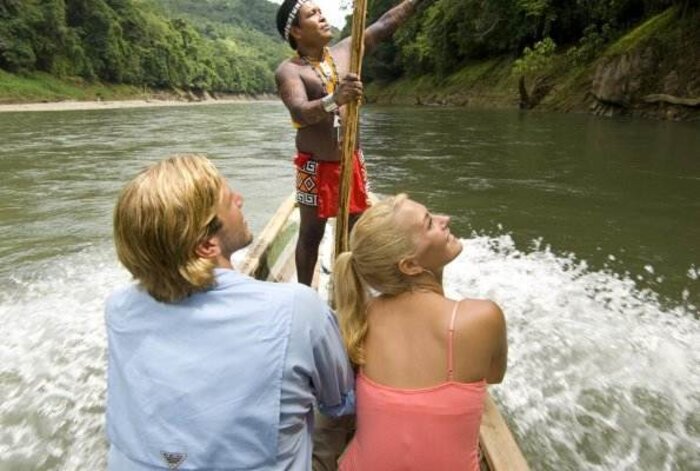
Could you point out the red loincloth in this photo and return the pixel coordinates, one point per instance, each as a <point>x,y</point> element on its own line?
<point>318,182</point>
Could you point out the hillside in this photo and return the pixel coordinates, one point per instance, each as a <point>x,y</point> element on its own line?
<point>638,57</point>
<point>56,49</point>
<point>648,66</point>
<point>249,15</point>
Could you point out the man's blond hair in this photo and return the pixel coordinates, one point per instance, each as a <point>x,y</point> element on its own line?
<point>161,217</point>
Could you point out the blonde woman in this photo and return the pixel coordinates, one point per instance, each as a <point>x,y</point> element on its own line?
<point>423,360</point>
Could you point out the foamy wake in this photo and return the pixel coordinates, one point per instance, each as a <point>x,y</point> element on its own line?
<point>600,375</point>
<point>52,364</point>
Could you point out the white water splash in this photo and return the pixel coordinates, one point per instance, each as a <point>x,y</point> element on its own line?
<point>53,358</point>
<point>600,375</point>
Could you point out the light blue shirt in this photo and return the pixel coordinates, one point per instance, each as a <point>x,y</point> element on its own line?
<point>224,380</point>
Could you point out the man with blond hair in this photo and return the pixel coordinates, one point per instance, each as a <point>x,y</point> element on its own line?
<point>209,368</point>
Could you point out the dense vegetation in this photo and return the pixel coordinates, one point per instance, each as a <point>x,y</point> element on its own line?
<point>232,45</point>
<point>214,45</point>
<point>448,33</point>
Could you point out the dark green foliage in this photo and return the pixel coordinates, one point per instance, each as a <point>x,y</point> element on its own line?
<point>591,43</point>
<point>233,46</point>
<point>446,34</point>
<point>16,35</point>
<point>246,14</point>
<point>214,45</point>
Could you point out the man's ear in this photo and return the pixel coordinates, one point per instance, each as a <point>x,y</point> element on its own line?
<point>409,266</point>
<point>295,32</point>
<point>208,248</point>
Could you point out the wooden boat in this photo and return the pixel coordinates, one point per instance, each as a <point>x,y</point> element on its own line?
<point>271,257</point>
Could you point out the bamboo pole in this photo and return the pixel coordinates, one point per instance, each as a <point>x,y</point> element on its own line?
<point>352,117</point>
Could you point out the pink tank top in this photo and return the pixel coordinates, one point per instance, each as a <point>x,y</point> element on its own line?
<point>434,428</point>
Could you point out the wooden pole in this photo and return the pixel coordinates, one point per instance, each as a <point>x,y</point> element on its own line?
<point>352,117</point>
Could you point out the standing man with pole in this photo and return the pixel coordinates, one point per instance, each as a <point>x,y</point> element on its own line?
<point>315,85</point>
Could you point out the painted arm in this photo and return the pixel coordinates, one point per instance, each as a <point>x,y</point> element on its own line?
<point>293,93</point>
<point>388,23</point>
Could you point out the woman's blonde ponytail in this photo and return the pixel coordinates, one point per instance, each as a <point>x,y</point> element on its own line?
<point>350,296</point>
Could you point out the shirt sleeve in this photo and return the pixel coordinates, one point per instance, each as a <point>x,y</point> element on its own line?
<point>332,377</point>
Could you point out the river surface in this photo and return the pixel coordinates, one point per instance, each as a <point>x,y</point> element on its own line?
<point>585,230</point>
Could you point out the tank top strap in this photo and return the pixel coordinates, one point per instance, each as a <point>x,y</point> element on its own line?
<point>450,343</point>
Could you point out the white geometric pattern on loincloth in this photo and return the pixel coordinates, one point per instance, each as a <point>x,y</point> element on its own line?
<point>307,190</point>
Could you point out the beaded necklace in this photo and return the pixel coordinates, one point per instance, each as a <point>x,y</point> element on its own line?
<point>325,70</point>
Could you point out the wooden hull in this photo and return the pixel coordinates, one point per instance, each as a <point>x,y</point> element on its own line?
<point>271,257</point>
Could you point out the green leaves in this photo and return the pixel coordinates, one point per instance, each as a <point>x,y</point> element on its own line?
<point>446,34</point>
<point>537,59</point>
<point>214,45</point>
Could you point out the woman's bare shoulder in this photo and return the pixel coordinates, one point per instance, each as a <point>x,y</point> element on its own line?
<point>482,311</point>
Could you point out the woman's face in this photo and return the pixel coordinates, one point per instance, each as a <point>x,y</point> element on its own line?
<point>435,244</point>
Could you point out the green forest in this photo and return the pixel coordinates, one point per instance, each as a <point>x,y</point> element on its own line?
<point>232,46</point>
<point>636,57</point>
<point>448,33</point>
<point>214,45</point>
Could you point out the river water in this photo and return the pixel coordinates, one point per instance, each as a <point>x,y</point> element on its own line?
<point>585,230</point>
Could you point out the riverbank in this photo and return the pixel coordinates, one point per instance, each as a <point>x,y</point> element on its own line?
<point>651,71</point>
<point>118,104</point>
<point>42,92</point>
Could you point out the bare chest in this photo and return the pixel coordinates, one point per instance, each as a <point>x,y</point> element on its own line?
<point>320,78</point>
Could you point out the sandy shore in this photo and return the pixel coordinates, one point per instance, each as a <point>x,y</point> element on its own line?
<point>110,105</point>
